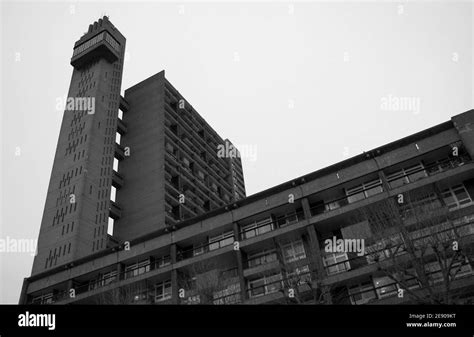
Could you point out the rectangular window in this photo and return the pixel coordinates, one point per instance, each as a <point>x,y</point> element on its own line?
<point>397,179</point>
<point>456,197</point>
<point>373,187</point>
<point>265,285</point>
<point>163,291</point>
<point>294,251</point>
<point>257,228</point>
<point>163,262</point>
<point>198,249</point>
<point>385,287</point>
<point>355,194</point>
<point>261,258</point>
<point>332,205</point>
<point>103,280</point>
<point>362,294</point>
<point>138,268</point>
<point>287,219</point>
<point>336,263</point>
<point>364,190</point>
<point>43,299</point>
<point>415,172</point>
<point>229,295</point>
<point>221,240</point>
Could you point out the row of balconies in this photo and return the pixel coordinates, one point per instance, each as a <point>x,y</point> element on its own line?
<point>266,266</point>
<point>196,140</point>
<point>321,206</point>
<point>220,173</point>
<point>331,269</point>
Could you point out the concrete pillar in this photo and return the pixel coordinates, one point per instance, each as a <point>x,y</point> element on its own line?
<point>317,262</point>
<point>306,208</point>
<point>383,177</point>
<point>120,271</point>
<point>174,287</point>
<point>240,264</point>
<point>174,275</point>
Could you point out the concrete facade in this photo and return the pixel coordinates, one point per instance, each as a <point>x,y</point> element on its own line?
<point>75,217</point>
<point>173,256</point>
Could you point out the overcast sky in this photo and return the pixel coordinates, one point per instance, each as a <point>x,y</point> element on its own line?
<point>305,84</point>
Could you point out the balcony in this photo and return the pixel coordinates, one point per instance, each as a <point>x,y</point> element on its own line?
<point>117,180</point>
<point>115,210</point>
<point>187,253</point>
<point>395,181</point>
<point>110,278</point>
<point>267,225</point>
<point>385,249</point>
<point>121,127</point>
<point>123,105</point>
<point>119,152</point>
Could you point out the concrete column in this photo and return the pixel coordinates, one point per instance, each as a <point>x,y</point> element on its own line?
<point>174,275</point>
<point>317,261</point>
<point>306,208</point>
<point>120,270</point>
<point>173,253</point>
<point>438,194</point>
<point>383,177</point>
<point>174,287</point>
<point>315,251</point>
<point>240,264</point>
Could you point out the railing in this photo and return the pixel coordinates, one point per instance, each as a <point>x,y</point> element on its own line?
<point>272,225</point>
<point>204,248</point>
<point>441,166</point>
<point>377,290</point>
<point>112,278</point>
<point>263,260</point>
<point>300,279</point>
<point>434,168</point>
<point>230,275</point>
<point>371,256</point>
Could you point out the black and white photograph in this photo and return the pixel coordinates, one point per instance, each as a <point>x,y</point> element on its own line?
<point>237,165</point>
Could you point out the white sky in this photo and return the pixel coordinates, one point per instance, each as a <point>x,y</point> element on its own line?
<point>302,83</point>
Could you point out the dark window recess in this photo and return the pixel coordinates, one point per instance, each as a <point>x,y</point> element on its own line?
<point>174,128</point>
<point>175,210</point>
<point>175,181</point>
